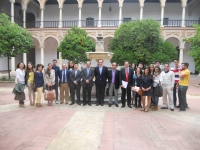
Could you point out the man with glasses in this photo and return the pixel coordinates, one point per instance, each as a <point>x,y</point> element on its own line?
<point>167,80</point>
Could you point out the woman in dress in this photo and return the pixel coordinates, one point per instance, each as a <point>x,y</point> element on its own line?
<point>146,85</point>
<point>29,82</point>
<point>20,78</point>
<point>39,83</point>
<point>49,79</point>
<point>137,78</point>
<point>151,66</point>
<point>156,81</point>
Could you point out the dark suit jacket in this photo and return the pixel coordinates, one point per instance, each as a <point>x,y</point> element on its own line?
<point>89,77</point>
<point>73,78</point>
<point>116,78</point>
<point>123,76</point>
<point>61,76</point>
<point>100,79</point>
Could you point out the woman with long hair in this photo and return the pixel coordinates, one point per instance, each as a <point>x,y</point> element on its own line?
<point>156,81</point>
<point>49,79</point>
<point>29,82</point>
<point>70,65</point>
<point>137,78</point>
<point>151,67</point>
<point>20,78</point>
<point>39,83</point>
<point>146,85</point>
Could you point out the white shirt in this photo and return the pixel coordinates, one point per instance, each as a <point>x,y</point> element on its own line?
<point>167,79</point>
<point>20,75</point>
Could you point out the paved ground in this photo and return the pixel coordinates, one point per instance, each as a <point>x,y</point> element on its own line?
<point>65,127</point>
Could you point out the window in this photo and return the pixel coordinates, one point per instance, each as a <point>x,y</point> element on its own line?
<point>165,21</point>
<point>89,21</point>
<point>126,19</point>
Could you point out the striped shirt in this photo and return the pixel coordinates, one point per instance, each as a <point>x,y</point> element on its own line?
<point>176,72</point>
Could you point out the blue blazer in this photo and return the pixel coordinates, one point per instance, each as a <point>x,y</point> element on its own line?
<point>61,76</point>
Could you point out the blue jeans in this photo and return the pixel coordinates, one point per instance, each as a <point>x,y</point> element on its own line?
<point>182,91</point>
<point>155,98</point>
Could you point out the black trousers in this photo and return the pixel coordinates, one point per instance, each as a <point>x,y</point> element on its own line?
<point>100,93</point>
<point>139,101</point>
<point>125,92</point>
<point>55,87</point>
<point>174,95</point>
<point>87,91</point>
<point>76,88</point>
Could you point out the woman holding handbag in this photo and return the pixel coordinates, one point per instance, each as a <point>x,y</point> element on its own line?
<point>39,84</point>
<point>137,78</point>
<point>29,82</point>
<point>156,81</point>
<point>146,85</point>
<point>49,80</point>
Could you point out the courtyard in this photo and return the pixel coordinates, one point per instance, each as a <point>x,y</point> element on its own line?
<point>66,127</point>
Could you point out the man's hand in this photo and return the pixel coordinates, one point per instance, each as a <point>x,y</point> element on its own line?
<point>87,81</point>
<point>121,86</point>
<point>75,82</point>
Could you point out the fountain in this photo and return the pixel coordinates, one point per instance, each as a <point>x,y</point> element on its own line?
<point>99,53</point>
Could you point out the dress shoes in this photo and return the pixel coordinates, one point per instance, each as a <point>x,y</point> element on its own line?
<point>84,104</point>
<point>164,108</point>
<point>89,104</point>
<point>72,103</point>
<point>172,109</point>
<point>116,105</point>
<point>97,104</point>
<point>79,103</point>
<point>178,106</point>
<point>182,110</point>
<point>102,104</point>
<point>109,105</point>
<point>122,106</point>
<point>129,106</point>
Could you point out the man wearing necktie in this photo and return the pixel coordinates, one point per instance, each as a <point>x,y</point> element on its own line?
<point>64,84</point>
<point>75,84</point>
<point>113,81</point>
<point>87,83</point>
<point>126,74</point>
<point>100,73</point>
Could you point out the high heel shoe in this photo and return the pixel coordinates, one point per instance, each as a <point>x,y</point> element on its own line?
<point>142,109</point>
<point>146,110</point>
<point>37,105</point>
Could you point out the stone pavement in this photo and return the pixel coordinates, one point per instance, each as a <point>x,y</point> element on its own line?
<point>65,127</point>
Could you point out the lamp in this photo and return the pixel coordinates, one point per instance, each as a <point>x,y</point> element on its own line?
<point>110,8</point>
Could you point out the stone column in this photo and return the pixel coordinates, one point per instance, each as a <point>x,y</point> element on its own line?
<point>12,64</point>
<point>184,4</point>
<point>24,18</point>
<point>162,3</point>
<point>181,55</point>
<point>120,11</point>
<point>25,58</point>
<point>60,20</point>
<point>183,17</point>
<point>80,3</point>
<point>42,18</point>
<point>12,10</point>
<point>100,2</point>
<point>42,55</point>
<point>141,8</point>
<point>60,59</point>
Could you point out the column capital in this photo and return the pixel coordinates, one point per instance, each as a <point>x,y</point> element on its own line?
<point>25,4</point>
<point>42,3</point>
<point>61,2</point>
<point>41,46</point>
<point>184,3</point>
<point>12,1</point>
<point>162,3</point>
<point>141,3</point>
<point>121,3</point>
<point>80,3</point>
<point>100,2</point>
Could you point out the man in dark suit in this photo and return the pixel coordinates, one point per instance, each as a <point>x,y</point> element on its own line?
<point>75,84</point>
<point>87,83</point>
<point>126,74</point>
<point>113,81</point>
<point>64,84</point>
<point>100,73</point>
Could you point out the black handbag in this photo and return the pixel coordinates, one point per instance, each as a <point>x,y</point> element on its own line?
<point>158,90</point>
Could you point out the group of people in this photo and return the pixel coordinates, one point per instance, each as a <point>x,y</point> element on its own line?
<point>70,79</point>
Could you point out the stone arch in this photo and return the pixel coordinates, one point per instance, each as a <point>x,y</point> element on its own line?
<point>175,37</point>
<point>93,37</point>
<point>106,43</point>
<point>192,7</point>
<point>50,36</point>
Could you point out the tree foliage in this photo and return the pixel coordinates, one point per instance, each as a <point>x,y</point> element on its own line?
<point>75,44</point>
<point>194,51</point>
<point>140,41</point>
<point>14,39</point>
